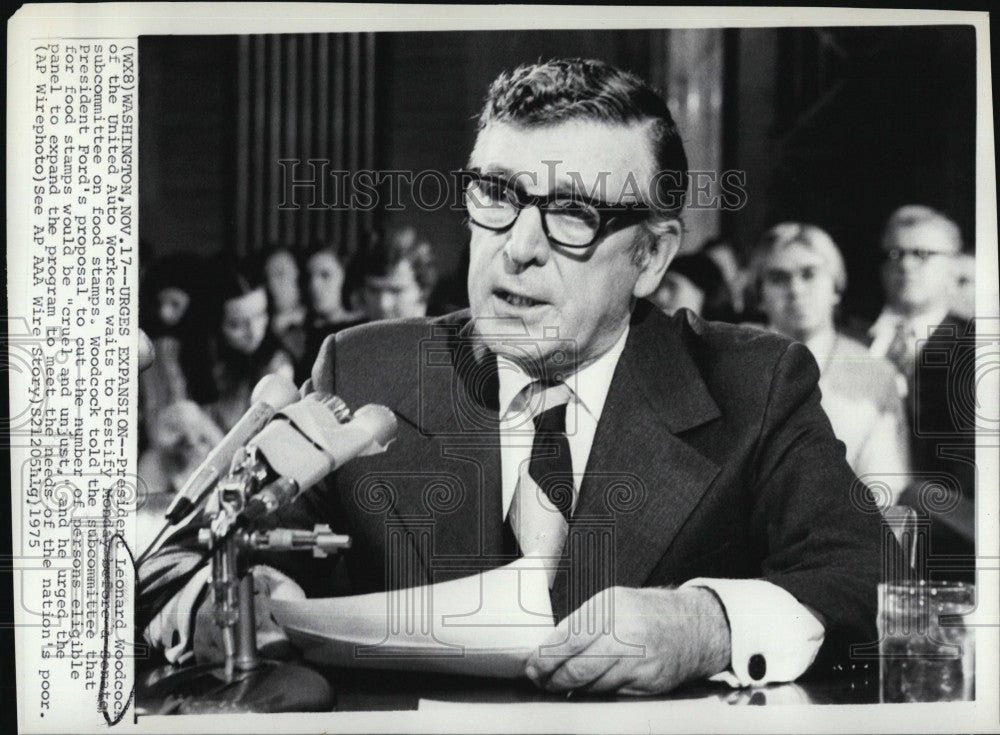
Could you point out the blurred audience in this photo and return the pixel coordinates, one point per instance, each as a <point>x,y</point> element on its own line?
<point>147,353</point>
<point>181,436</point>
<point>325,273</point>
<point>725,254</point>
<point>452,290</point>
<point>398,275</point>
<point>325,287</point>
<point>963,302</point>
<point>241,348</point>
<point>935,353</point>
<point>919,248</point>
<point>695,282</point>
<point>799,277</point>
<point>283,278</point>
<point>173,304</point>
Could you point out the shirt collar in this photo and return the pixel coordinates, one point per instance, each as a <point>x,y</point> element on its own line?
<point>822,343</point>
<point>921,324</point>
<point>512,381</point>
<point>589,386</point>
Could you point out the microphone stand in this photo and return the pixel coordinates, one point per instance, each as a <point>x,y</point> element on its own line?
<point>245,681</point>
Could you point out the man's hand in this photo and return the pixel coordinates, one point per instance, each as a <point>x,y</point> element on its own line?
<point>271,639</point>
<point>634,641</point>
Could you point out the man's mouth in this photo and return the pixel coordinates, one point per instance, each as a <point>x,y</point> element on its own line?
<point>516,299</point>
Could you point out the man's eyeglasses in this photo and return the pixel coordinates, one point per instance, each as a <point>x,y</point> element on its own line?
<point>895,255</point>
<point>494,203</point>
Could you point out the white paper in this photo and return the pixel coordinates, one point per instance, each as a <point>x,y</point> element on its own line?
<point>486,624</point>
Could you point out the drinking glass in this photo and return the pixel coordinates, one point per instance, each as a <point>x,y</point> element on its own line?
<point>926,646</point>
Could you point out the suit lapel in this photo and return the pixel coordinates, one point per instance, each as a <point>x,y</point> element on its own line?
<point>642,478</point>
<point>454,409</point>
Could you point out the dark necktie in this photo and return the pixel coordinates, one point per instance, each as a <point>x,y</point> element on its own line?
<point>537,521</point>
<point>902,351</point>
<point>551,464</point>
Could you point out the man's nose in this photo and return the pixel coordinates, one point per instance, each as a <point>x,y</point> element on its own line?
<point>911,261</point>
<point>527,243</point>
<point>906,261</point>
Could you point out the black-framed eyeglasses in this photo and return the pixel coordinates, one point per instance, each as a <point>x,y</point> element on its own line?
<point>495,202</point>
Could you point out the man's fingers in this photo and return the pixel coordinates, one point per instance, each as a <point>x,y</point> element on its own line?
<point>616,679</point>
<point>580,671</point>
<point>559,646</point>
<point>574,635</point>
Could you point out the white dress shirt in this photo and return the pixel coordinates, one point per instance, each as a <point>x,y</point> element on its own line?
<point>883,331</point>
<point>764,619</point>
<point>860,395</point>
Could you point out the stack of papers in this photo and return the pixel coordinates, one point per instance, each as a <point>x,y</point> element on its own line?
<point>487,624</point>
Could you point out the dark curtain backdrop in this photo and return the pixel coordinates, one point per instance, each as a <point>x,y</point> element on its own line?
<point>218,115</point>
<point>307,100</point>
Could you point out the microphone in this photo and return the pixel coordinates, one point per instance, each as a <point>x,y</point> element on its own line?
<point>272,393</point>
<point>313,437</point>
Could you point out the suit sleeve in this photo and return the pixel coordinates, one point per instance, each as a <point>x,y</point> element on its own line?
<point>820,524</point>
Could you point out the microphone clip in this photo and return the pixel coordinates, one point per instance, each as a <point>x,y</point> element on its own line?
<point>231,536</point>
<point>248,474</point>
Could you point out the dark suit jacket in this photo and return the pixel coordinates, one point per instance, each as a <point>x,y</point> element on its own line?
<point>712,458</point>
<point>943,445</point>
<point>942,418</point>
<point>943,393</point>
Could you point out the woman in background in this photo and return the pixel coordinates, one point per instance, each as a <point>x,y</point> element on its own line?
<point>799,276</point>
<point>175,433</point>
<point>694,282</point>
<point>282,277</point>
<point>241,349</point>
<point>325,275</point>
<point>172,311</point>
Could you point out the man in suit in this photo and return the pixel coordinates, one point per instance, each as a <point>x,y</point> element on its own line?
<point>934,351</point>
<point>677,480</point>
<point>398,274</point>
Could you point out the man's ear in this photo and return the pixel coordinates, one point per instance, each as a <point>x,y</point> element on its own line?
<point>665,242</point>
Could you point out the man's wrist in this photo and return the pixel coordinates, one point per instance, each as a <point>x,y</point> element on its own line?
<point>714,652</point>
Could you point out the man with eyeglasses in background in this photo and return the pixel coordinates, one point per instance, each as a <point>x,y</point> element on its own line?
<point>934,351</point>
<point>678,482</point>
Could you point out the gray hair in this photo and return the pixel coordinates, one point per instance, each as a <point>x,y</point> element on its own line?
<point>916,215</point>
